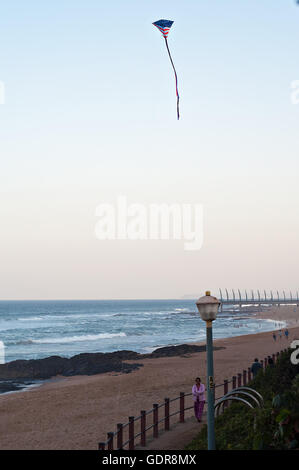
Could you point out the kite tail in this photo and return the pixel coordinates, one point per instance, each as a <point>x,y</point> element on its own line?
<point>176,79</point>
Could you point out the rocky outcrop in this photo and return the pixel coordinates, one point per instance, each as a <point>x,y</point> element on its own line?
<point>180,350</point>
<point>81,364</point>
<point>87,363</point>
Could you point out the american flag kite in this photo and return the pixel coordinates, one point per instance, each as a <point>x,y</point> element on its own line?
<point>164,26</point>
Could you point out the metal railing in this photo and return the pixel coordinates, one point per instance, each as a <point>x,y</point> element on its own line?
<point>125,436</point>
<point>247,393</point>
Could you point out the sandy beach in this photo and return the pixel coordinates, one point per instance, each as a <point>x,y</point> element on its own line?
<point>77,412</point>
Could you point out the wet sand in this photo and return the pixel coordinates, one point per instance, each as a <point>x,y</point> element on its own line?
<point>77,412</point>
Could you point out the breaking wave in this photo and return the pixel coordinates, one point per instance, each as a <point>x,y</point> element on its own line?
<point>72,339</point>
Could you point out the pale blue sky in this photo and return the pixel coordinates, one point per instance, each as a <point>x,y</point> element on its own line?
<point>90,113</point>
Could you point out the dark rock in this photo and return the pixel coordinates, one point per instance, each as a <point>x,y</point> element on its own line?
<point>87,363</point>
<point>9,387</point>
<point>179,350</point>
<point>81,364</point>
<point>13,385</point>
<point>33,368</point>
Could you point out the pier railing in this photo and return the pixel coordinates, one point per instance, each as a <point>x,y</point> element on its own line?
<point>126,435</point>
<point>258,298</point>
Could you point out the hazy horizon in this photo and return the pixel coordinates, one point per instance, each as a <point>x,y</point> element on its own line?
<point>183,297</point>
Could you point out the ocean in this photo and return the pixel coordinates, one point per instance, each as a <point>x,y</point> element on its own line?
<point>38,329</point>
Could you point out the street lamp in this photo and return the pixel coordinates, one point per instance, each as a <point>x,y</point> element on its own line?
<point>208,308</point>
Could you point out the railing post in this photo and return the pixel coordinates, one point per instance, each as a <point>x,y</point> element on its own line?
<point>101,445</point>
<point>249,374</point>
<point>239,380</point>
<point>110,438</point>
<point>119,436</point>
<point>166,414</point>
<point>269,357</point>
<point>225,387</point>
<point>155,420</point>
<point>131,433</point>
<point>142,428</point>
<point>182,407</point>
<point>225,391</point>
<point>244,377</point>
<point>234,384</point>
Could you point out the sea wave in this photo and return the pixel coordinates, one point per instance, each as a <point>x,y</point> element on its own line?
<point>71,339</point>
<point>153,314</point>
<point>31,319</point>
<point>86,316</point>
<point>278,323</point>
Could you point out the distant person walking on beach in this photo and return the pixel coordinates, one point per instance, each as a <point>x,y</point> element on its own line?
<point>280,334</point>
<point>198,392</point>
<point>256,366</point>
<point>286,333</point>
<point>274,336</point>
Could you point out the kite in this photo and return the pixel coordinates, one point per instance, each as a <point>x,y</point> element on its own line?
<point>164,26</point>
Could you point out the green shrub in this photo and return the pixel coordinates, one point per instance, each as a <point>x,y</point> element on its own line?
<point>276,426</point>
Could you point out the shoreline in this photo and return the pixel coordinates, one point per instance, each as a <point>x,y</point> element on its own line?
<point>217,342</point>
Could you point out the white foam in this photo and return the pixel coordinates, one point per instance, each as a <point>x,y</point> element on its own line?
<point>31,319</point>
<point>75,339</point>
<point>277,323</point>
<point>87,316</point>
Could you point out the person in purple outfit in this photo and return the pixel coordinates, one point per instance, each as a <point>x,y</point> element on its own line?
<point>198,392</point>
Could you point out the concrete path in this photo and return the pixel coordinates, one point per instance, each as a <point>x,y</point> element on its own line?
<point>179,435</point>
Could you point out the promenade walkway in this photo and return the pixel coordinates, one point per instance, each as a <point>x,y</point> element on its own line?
<point>180,435</point>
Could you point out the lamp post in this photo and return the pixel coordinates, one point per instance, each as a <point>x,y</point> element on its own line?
<point>208,308</point>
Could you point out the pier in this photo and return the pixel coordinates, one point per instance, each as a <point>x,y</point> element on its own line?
<point>257,298</point>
